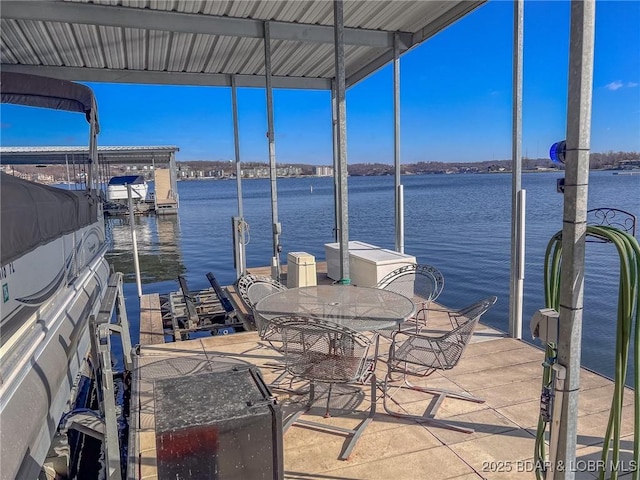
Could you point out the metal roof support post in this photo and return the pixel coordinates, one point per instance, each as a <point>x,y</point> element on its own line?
<point>66,161</point>
<point>93,151</point>
<point>517,212</point>
<point>275,261</point>
<point>396,144</point>
<point>240,258</point>
<point>341,130</point>
<point>134,240</point>
<point>581,45</point>
<point>334,134</point>
<point>173,175</point>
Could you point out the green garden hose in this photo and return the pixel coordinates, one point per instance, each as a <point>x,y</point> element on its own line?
<point>628,310</point>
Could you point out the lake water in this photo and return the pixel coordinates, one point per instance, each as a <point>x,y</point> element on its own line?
<point>458,223</point>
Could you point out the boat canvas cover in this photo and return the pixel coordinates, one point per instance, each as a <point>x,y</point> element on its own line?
<point>127,180</point>
<point>36,91</point>
<point>34,215</point>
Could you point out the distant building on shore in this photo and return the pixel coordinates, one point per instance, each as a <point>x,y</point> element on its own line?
<point>323,171</point>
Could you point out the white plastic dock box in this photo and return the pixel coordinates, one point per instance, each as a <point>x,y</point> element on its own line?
<point>332,254</point>
<point>368,267</point>
<point>301,270</point>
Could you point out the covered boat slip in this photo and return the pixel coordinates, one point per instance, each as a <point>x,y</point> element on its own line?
<point>503,371</point>
<point>159,159</point>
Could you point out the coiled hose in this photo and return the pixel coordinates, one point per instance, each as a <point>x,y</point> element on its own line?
<point>628,310</point>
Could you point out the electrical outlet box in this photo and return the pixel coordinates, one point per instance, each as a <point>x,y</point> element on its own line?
<point>545,325</point>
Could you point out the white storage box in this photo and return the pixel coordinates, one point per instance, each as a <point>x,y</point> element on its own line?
<point>332,254</point>
<point>301,270</point>
<point>368,267</point>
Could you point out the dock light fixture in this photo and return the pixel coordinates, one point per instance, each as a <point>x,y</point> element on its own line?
<point>558,151</point>
<point>557,154</point>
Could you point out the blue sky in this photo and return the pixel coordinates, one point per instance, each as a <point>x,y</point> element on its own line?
<point>455,100</point>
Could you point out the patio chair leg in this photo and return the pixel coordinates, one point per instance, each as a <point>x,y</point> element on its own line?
<point>428,417</point>
<point>353,435</point>
<point>445,393</point>
<point>294,417</point>
<point>356,432</point>
<point>291,420</point>
<point>327,413</point>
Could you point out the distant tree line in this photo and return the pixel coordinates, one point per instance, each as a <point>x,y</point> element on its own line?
<point>597,161</point>
<point>602,160</point>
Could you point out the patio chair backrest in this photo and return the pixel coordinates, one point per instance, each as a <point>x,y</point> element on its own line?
<point>253,288</point>
<point>419,282</point>
<point>322,351</point>
<point>260,290</point>
<point>478,308</point>
<point>454,343</point>
<point>444,352</point>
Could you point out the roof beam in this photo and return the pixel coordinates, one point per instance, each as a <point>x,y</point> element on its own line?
<point>449,17</point>
<point>127,17</point>
<point>84,74</point>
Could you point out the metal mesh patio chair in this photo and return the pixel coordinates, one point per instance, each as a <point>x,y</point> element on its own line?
<point>459,316</point>
<point>421,283</point>
<point>419,354</point>
<point>252,289</point>
<point>324,352</point>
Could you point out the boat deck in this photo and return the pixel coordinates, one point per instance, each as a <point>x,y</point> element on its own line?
<point>503,371</point>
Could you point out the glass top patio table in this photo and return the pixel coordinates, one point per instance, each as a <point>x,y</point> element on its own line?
<point>359,308</point>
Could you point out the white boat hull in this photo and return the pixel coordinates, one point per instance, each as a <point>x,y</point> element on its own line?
<point>53,291</point>
<point>119,192</point>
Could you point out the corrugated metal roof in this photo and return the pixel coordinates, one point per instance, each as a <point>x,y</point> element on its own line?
<point>205,42</point>
<point>101,149</point>
<point>56,155</point>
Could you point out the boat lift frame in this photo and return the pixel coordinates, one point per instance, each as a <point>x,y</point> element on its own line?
<point>103,424</point>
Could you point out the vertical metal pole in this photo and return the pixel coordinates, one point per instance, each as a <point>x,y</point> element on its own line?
<point>581,45</point>
<point>93,150</point>
<point>173,175</point>
<point>341,130</point>
<point>522,208</point>
<point>66,161</point>
<point>336,161</point>
<point>123,322</point>
<point>517,214</point>
<point>401,216</point>
<point>275,261</point>
<point>240,259</point>
<point>134,241</point>
<point>396,143</point>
